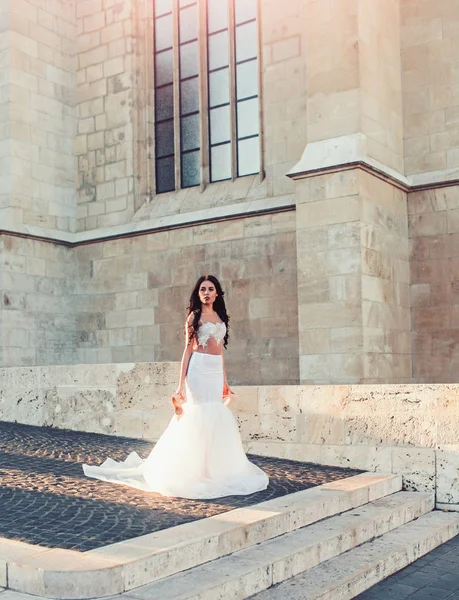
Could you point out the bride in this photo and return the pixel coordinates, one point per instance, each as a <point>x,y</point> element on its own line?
<point>200,454</point>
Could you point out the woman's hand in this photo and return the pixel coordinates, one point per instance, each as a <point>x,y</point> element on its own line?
<point>179,393</point>
<point>177,400</point>
<point>228,394</point>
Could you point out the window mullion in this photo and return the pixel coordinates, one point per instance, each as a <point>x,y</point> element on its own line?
<point>176,80</point>
<point>203,93</point>
<point>149,75</point>
<point>260,91</point>
<point>232,78</point>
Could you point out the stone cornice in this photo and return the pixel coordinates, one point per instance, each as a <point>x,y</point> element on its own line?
<point>377,172</point>
<point>216,214</point>
<point>350,152</point>
<point>358,164</point>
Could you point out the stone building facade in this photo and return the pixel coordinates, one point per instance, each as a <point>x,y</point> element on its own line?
<point>326,198</point>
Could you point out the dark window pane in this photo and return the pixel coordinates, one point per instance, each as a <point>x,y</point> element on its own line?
<point>217,12</point>
<point>164,102</point>
<point>220,162</point>
<point>188,60</point>
<point>248,156</point>
<point>163,33</point>
<point>219,92</point>
<point>162,6</point>
<point>164,138</point>
<point>190,132</point>
<point>220,125</point>
<point>247,118</point>
<point>218,50</point>
<point>188,23</point>
<point>164,67</point>
<point>247,79</point>
<point>165,174</point>
<point>246,41</point>
<point>191,168</point>
<point>189,96</point>
<point>245,10</point>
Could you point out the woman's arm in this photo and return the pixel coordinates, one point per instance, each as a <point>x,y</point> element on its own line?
<point>228,394</point>
<point>186,357</point>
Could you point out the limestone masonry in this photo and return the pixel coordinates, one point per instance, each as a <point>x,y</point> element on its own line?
<point>339,253</point>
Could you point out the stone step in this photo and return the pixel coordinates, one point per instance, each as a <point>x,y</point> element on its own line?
<point>128,565</point>
<point>352,573</point>
<point>259,567</point>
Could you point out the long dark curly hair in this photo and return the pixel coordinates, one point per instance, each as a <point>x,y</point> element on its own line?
<point>195,307</point>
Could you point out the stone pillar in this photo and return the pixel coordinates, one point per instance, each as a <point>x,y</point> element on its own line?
<point>352,230</point>
<point>329,278</point>
<point>353,279</point>
<point>354,87</point>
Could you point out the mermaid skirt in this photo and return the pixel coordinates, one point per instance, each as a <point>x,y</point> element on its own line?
<point>200,454</point>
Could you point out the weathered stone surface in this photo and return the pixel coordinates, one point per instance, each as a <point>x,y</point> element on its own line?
<point>24,405</point>
<point>147,386</point>
<point>447,466</point>
<point>80,409</point>
<point>417,466</point>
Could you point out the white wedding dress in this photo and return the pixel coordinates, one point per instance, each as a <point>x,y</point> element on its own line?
<point>200,454</point>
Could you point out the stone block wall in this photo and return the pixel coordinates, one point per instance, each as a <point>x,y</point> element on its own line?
<point>76,165</point>
<point>131,295</point>
<point>434,240</point>
<point>41,70</point>
<point>114,150</point>
<point>430,51</point>
<point>105,95</point>
<point>37,318</point>
<point>5,173</point>
<point>385,282</point>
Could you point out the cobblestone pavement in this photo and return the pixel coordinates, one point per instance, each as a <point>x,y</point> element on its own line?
<point>45,499</point>
<point>435,576</point>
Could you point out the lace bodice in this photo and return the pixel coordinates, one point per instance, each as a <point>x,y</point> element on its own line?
<point>208,330</point>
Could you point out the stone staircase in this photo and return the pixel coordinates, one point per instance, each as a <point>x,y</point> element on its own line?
<point>328,542</point>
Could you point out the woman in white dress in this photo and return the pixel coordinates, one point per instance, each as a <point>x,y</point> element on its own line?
<point>200,454</point>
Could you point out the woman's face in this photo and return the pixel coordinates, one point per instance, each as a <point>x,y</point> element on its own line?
<point>207,293</point>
